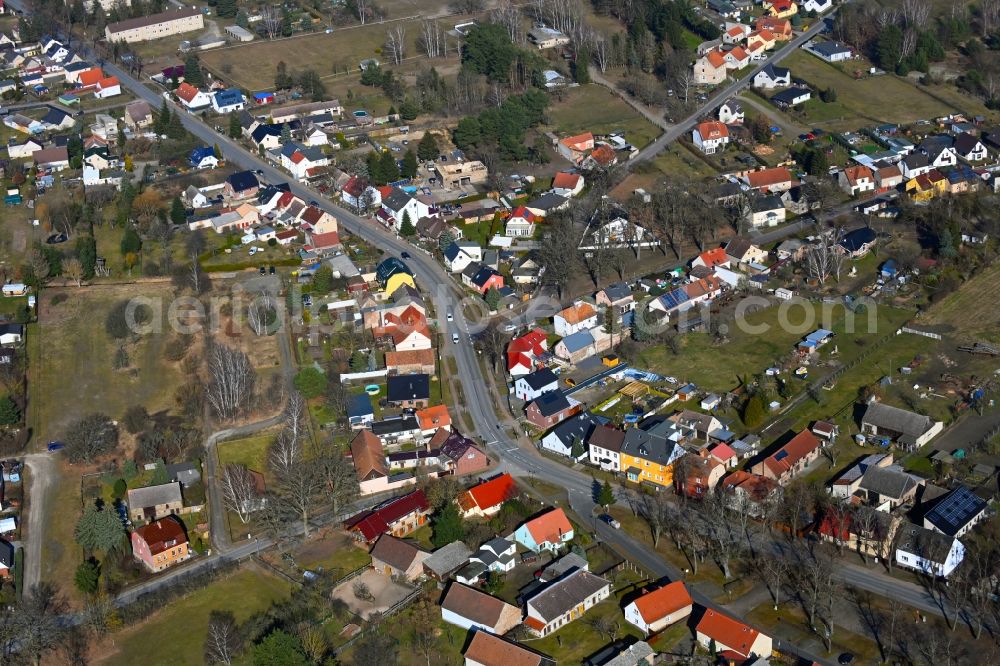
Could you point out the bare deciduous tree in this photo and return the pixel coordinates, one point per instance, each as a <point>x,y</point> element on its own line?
<point>260,313</point>
<point>231,384</point>
<point>270,19</point>
<point>223,641</point>
<point>432,39</point>
<point>824,259</point>
<point>73,269</point>
<point>395,43</point>
<point>508,15</point>
<point>239,491</point>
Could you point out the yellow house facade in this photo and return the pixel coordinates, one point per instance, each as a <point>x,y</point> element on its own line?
<point>649,455</point>
<point>781,8</point>
<point>398,280</point>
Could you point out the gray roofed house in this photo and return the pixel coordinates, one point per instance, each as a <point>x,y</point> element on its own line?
<point>562,601</point>
<point>564,565</point>
<point>154,502</point>
<point>637,653</point>
<point>548,202</point>
<point>909,429</point>
<point>186,473</point>
<point>6,555</point>
<point>447,560</point>
<point>566,433</point>
<point>888,484</point>
<point>653,445</point>
<point>396,199</point>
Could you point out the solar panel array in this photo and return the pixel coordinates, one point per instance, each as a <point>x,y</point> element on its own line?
<point>955,510</point>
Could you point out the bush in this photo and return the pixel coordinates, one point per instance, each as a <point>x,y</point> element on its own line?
<point>310,382</point>
<point>58,298</point>
<point>90,437</point>
<point>121,487</point>
<point>135,419</point>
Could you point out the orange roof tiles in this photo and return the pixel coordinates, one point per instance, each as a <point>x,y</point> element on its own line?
<point>579,142</point>
<point>769,177</point>
<point>738,53</point>
<point>186,91</point>
<point>716,59</point>
<point>856,173</point>
<point>660,603</point>
<point>489,494</point>
<point>795,450</point>
<point>712,129</point>
<point>549,527</point>
<point>90,77</point>
<point>727,632</point>
<point>603,154</point>
<point>574,314</point>
<point>566,181</point>
<point>434,417</point>
<point>714,257</point>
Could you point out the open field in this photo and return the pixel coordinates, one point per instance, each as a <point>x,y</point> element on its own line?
<point>70,375</point>
<point>884,98</point>
<point>718,367</point>
<point>73,374</point>
<point>251,451</point>
<point>176,634</point>
<point>594,108</point>
<point>327,54</point>
<point>962,309</point>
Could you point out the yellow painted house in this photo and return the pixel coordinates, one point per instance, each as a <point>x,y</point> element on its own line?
<point>781,8</point>
<point>648,455</point>
<point>927,186</point>
<point>398,280</point>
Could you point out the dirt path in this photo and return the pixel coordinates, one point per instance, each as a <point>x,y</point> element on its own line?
<point>42,469</point>
<point>788,127</point>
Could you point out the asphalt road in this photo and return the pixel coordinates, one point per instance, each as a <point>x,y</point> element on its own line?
<point>686,125</point>
<point>445,293</point>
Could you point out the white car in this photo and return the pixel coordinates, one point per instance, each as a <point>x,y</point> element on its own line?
<point>451,316</point>
<point>454,338</point>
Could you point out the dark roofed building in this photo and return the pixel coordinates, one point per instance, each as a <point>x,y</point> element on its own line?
<point>956,513</point>
<point>408,390</point>
<point>908,429</point>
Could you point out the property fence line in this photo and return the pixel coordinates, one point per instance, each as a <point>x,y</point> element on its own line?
<point>926,334</point>
<point>259,560</point>
<point>392,610</point>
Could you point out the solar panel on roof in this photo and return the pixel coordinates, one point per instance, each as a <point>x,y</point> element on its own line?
<point>781,455</point>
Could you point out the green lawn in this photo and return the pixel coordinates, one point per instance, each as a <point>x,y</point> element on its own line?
<point>251,451</point>
<point>884,98</point>
<point>789,623</point>
<point>594,108</point>
<point>677,160</point>
<point>176,634</point>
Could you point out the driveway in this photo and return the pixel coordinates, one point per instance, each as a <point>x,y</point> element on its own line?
<point>42,470</point>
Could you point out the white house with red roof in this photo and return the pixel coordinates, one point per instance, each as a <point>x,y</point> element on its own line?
<point>567,184</point>
<point>735,33</point>
<point>712,258</point>
<point>710,136</point>
<point>485,499</point>
<point>523,352</point>
<point>730,638</point>
<point>725,455</point>
<point>520,223</point>
<point>576,148</point>
<point>322,230</point>
<point>548,531</point>
<point>656,610</point>
<point>301,161</point>
<point>359,195</point>
<point>191,97</point>
<point>108,87</point>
